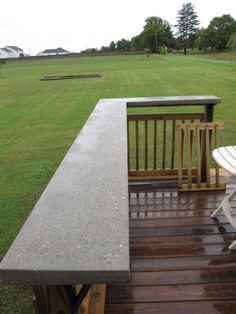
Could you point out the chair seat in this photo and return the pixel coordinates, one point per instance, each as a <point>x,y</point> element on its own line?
<point>226,158</point>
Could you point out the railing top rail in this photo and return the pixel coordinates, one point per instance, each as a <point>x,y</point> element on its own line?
<point>78,230</point>
<point>172,101</point>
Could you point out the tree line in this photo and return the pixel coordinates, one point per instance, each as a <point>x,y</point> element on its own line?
<point>158,35</point>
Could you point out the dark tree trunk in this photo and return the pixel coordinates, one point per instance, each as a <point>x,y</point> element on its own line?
<point>185,47</point>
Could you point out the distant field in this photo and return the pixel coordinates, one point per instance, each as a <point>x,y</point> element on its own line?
<point>39,121</point>
<point>227,56</point>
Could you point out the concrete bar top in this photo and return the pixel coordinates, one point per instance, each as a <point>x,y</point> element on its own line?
<point>78,231</point>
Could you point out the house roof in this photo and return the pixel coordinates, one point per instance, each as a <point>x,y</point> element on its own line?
<point>14,48</point>
<point>57,50</point>
<point>5,49</point>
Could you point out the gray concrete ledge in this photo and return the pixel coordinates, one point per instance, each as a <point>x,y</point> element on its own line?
<point>78,230</point>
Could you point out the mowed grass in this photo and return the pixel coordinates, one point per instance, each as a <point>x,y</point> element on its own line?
<point>39,121</point>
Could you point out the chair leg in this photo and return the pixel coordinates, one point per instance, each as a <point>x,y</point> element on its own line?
<point>225,206</point>
<point>217,211</point>
<point>220,208</point>
<point>232,195</point>
<point>233,245</point>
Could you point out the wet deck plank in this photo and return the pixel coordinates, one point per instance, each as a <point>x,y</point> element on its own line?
<point>203,307</point>
<point>180,262</point>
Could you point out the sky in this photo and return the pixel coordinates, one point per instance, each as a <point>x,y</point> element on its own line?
<point>79,24</point>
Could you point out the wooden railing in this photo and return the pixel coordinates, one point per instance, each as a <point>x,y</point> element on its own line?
<point>152,144</point>
<point>152,140</point>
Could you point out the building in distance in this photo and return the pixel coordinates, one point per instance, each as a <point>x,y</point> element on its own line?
<point>11,52</point>
<point>53,52</point>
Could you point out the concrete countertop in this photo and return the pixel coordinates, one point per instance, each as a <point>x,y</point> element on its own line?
<point>78,230</point>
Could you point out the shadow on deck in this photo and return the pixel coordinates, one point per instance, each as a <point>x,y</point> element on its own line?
<point>180,262</point>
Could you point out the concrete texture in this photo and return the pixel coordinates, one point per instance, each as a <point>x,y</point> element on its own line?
<point>78,230</point>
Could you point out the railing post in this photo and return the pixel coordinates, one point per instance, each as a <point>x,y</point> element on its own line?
<point>209,113</point>
<point>68,299</point>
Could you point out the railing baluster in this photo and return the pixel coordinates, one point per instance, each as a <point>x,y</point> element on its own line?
<point>128,142</point>
<point>146,144</point>
<point>180,155</point>
<point>198,143</point>
<point>137,143</point>
<point>191,138</point>
<point>164,145</point>
<point>173,145</point>
<point>217,166</point>
<point>207,152</point>
<point>189,157</point>
<point>154,144</point>
<point>182,148</point>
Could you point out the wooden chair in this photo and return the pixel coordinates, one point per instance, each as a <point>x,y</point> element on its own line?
<point>195,142</point>
<point>226,158</point>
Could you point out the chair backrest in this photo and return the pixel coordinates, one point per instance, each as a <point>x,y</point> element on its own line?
<point>195,143</point>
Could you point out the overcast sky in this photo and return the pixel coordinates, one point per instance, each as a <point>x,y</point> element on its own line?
<point>79,24</point>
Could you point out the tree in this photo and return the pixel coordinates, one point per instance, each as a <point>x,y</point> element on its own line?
<point>220,29</point>
<point>232,42</point>
<point>90,50</point>
<point>156,33</point>
<point>135,43</point>
<point>204,39</point>
<point>104,49</point>
<point>122,45</point>
<point>218,33</point>
<point>187,23</point>
<point>112,46</point>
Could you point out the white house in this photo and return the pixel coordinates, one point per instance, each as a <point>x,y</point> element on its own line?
<point>5,53</point>
<point>16,51</point>
<point>11,52</point>
<point>53,52</point>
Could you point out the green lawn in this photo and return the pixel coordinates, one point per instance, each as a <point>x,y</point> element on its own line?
<point>39,121</point>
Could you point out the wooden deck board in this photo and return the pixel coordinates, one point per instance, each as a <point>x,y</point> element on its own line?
<point>180,262</point>
<point>197,307</point>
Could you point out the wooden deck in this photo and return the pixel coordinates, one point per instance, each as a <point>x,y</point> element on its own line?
<point>180,262</point>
